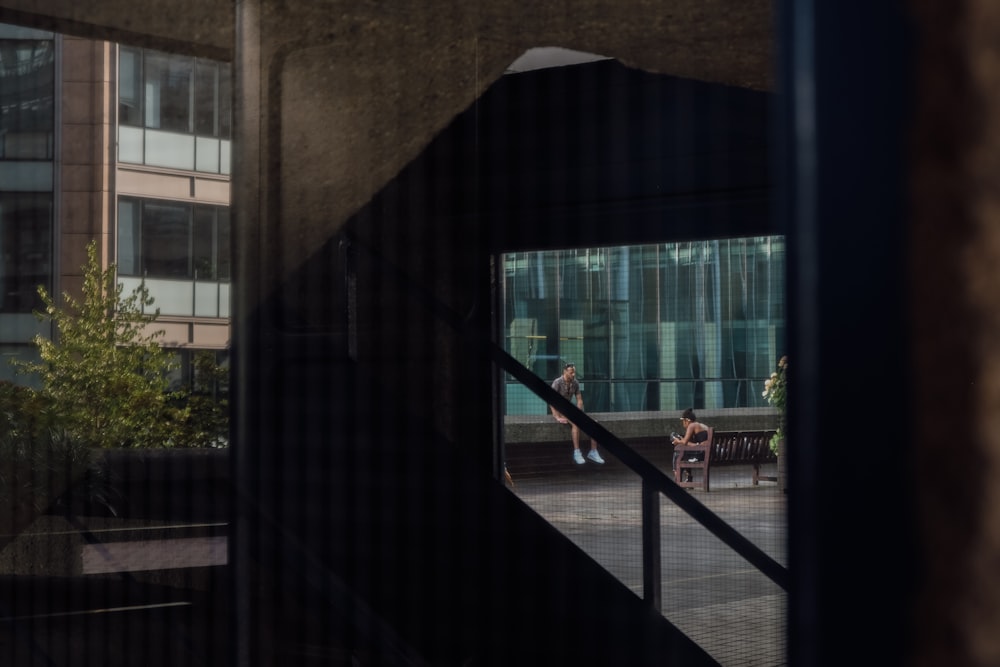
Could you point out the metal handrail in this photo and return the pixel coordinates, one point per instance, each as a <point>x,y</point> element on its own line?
<point>654,482</point>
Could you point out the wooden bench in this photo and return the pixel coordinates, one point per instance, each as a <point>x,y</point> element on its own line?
<point>723,448</point>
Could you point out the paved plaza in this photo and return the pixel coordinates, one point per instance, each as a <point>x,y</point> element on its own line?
<point>713,595</point>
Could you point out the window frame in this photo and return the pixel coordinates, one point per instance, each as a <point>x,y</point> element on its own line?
<point>137,264</point>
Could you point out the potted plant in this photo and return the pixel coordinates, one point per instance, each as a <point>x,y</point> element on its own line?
<point>776,393</point>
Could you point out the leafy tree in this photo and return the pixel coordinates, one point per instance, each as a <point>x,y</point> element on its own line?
<point>206,405</point>
<point>105,370</point>
<point>44,468</point>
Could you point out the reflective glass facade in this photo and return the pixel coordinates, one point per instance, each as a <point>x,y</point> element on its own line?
<point>654,327</point>
<point>27,151</point>
<point>27,110</point>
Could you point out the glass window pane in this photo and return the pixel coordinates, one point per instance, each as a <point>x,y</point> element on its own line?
<point>130,87</point>
<point>223,250</point>
<point>169,149</point>
<point>224,299</point>
<point>225,158</point>
<point>171,296</point>
<point>27,117</point>
<point>206,98</point>
<point>204,241</point>
<point>129,238</point>
<point>221,384</point>
<point>168,93</point>
<point>26,176</point>
<point>130,144</point>
<point>25,250</point>
<point>225,101</point>
<point>166,240</point>
<point>178,377</point>
<point>207,155</point>
<point>206,299</point>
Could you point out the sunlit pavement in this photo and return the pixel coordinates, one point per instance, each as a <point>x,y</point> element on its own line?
<point>716,597</point>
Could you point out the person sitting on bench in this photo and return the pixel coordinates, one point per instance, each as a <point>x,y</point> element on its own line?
<point>694,433</point>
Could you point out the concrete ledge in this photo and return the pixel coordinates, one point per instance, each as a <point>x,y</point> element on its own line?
<point>53,546</point>
<point>519,429</point>
<point>163,554</point>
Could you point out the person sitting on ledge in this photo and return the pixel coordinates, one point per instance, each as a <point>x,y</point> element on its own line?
<point>568,387</point>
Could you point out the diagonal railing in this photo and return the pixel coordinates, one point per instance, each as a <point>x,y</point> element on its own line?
<point>654,481</point>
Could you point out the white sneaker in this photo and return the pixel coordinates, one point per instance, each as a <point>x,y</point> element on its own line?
<point>578,457</point>
<point>594,456</point>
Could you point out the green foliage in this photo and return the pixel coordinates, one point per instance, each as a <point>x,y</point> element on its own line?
<point>776,393</point>
<point>41,466</point>
<point>105,369</point>
<point>206,407</point>
<point>22,410</point>
<point>40,472</point>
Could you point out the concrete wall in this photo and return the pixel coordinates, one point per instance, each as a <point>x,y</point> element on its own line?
<point>633,425</point>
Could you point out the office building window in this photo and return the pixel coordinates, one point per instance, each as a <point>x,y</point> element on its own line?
<point>210,234</point>
<point>202,372</point>
<point>25,250</point>
<point>174,111</point>
<point>212,99</point>
<point>130,87</point>
<point>171,240</point>
<point>27,95</point>
<point>166,240</point>
<point>167,91</point>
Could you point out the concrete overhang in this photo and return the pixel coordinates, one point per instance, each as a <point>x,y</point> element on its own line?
<point>724,41</point>
<point>344,93</point>
<point>198,27</point>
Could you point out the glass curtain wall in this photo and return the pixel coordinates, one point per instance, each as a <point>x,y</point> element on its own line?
<point>27,151</point>
<point>25,249</point>
<point>650,328</point>
<point>27,113</point>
